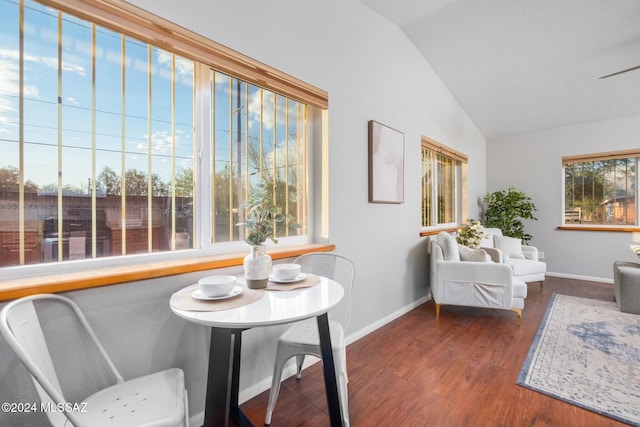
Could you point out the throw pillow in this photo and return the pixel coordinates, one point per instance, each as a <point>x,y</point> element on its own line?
<point>449,246</point>
<point>509,246</point>
<point>470,254</point>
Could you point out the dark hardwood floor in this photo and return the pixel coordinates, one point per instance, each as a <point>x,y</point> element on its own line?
<point>458,371</point>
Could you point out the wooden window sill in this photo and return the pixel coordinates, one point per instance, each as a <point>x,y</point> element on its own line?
<point>621,229</point>
<point>16,288</point>
<point>433,232</point>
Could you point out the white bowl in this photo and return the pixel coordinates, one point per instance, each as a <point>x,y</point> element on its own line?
<point>216,286</point>
<point>286,271</point>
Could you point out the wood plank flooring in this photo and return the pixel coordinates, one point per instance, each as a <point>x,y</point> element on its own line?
<point>458,371</point>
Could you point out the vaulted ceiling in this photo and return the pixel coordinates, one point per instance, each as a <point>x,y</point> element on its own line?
<point>519,66</point>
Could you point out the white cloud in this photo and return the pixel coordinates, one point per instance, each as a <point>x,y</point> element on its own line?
<point>221,78</point>
<point>10,74</point>
<point>164,57</point>
<point>10,79</point>
<point>183,67</point>
<point>13,56</point>
<point>9,83</point>
<point>161,142</point>
<point>268,110</point>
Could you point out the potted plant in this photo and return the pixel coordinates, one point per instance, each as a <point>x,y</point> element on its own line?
<point>506,210</point>
<point>262,221</point>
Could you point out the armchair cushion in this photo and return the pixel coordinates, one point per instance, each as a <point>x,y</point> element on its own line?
<point>530,252</point>
<point>470,254</point>
<point>449,246</point>
<point>526,267</point>
<point>519,290</point>
<point>510,246</point>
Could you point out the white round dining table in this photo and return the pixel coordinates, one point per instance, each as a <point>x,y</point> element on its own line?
<point>272,308</point>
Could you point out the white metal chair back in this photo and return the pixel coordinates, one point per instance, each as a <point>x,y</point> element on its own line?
<point>163,393</point>
<point>337,267</point>
<point>21,327</point>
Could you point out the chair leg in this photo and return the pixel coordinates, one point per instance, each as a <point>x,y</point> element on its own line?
<point>275,386</point>
<point>541,285</point>
<point>299,362</point>
<point>344,399</point>
<point>340,357</point>
<point>437,311</point>
<point>186,409</point>
<point>519,313</point>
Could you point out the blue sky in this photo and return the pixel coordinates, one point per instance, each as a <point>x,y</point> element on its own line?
<point>41,109</point>
<point>41,93</point>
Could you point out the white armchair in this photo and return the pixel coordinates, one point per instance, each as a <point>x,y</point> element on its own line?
<point>472,283</point>
<point>523,259</point>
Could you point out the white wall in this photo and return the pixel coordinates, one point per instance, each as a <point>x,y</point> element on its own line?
<point>532,163</point>
<point>371,71</point>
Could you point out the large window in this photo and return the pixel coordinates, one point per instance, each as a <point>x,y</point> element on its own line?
<point>442,184</point>
<point>601,189</point>
<point>258,135</point>
<point>111,145</point>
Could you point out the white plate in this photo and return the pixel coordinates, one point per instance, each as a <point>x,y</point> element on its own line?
<point>237,290</point>
<point>298,278</point>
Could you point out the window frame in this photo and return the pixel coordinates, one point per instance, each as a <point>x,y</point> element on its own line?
<point>592,157</point>
<point>461,185</point>
<point>147,27</point>
<point>142,25</point>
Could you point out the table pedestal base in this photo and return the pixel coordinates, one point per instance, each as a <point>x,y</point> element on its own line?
<point>221,404</point>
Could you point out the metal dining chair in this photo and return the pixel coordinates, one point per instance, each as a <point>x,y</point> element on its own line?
<point>302,338</point>
<point>157,399</point>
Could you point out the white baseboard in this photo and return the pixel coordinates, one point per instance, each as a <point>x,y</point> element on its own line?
<point>580,277</point>
<point>376,325</point>
<point>288,371</point>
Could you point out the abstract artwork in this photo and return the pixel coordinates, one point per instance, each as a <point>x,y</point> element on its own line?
<point>386,164</point>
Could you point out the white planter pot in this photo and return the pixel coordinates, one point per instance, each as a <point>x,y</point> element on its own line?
<point>257,267</point>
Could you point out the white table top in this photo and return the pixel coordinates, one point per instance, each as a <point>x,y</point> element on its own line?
<point>273,308</point>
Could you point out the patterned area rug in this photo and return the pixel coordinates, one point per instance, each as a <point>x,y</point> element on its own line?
<point>587,353</point>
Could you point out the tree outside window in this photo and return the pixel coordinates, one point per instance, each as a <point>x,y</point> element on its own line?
<point>601,191</point>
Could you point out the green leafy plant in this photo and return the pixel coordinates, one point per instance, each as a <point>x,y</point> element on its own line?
<point>471,233</point>
<point>506,210</point>
<point>263,220</point>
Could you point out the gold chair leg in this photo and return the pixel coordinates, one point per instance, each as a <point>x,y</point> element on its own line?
<point>437,311</point>
<point>519,313</point>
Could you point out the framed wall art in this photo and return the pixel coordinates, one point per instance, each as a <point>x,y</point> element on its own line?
<point>386,164</point>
